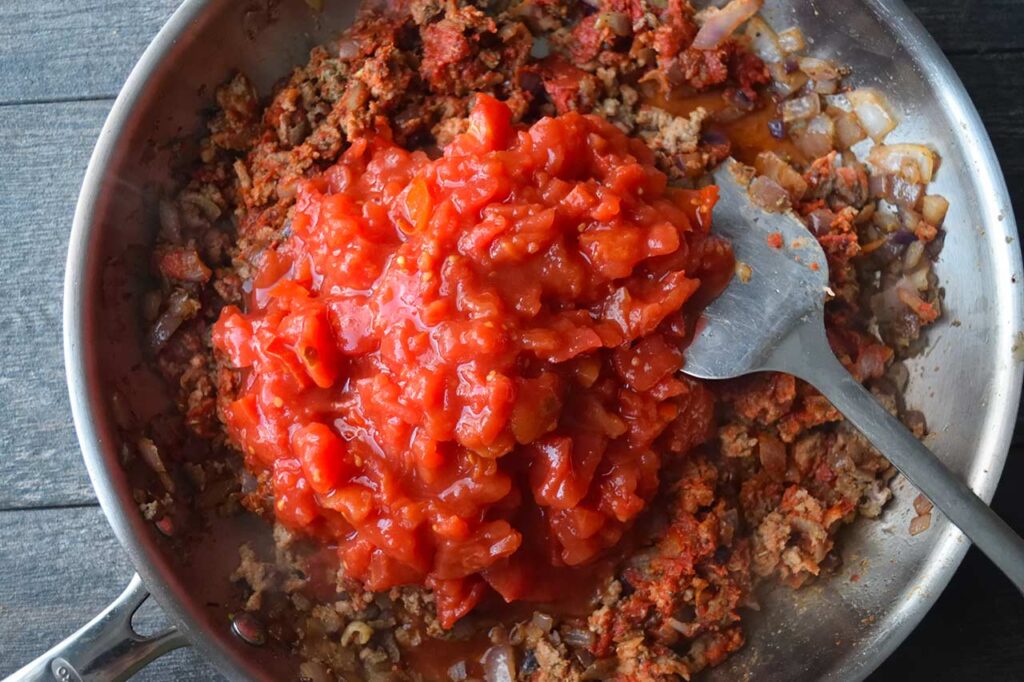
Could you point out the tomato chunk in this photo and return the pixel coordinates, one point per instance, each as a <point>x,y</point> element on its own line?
<point>323,456</point>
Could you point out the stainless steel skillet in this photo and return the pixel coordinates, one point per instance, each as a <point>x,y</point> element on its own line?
<point>967,383</point>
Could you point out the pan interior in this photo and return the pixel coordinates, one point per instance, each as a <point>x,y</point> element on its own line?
<point>836,629</point>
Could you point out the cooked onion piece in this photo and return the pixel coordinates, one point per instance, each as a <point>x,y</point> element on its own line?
<point>873,111</point>
<point>720,24</point>
<point>913,162</point>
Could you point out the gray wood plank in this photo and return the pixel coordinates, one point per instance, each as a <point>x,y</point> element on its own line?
<point>61,567</point>
<point>45,149</point>
<point>73,50</point>
<point>994,82</point>
<point>63,51</point>
<point>962,26</point>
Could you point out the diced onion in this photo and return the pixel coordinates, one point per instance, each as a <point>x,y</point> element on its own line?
<point>457,672</point>
<point>801,108</point>
<point>347,49</point>
<point>838,102</point>
<point>784,82</point>
<point>885,220</point>
<point>873,111</point>
<point>822,124</point>
<point>151,456</point>
<point>817,138</point>
<point>910,219</point>
<point>818,69</point>
<point>763,41</point>
<point>933,208</point>
<point>543,621</point>
<point>913,255</point>
<point>826,87</point>
<point>820,221</point>
<point>896,190</point>
<point>920,524</point>
<point>499,664</point>
<point>848,129</point>
<point>914,162</point>
<point>904,194</point>
<point>792,40</point>
<point>721,24</point>
<point>919,277</point>
<point>578,637</point>
<point>768,194</point>
<point>601,669</point>
<point>772,166</point>
<point>180,307</point>
<point>170,221</point>
<point>617,22</point>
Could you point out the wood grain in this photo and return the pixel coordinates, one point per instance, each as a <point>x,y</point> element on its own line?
<point>967,26</point>
<point>73,50</point>
<point>61,567</point>
<point>996,83</point>
<point>85,49</point>
<point>45,149</point>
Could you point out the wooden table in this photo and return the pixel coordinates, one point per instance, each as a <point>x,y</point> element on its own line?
<point>61,64</point>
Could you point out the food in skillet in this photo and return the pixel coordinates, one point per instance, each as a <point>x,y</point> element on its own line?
<point>427,308</point>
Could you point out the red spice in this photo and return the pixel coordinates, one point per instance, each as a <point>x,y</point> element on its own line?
<point>775,240</point>
<point>463,371</point>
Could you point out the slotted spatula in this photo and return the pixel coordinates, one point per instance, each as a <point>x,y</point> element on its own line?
<point>773,321</point>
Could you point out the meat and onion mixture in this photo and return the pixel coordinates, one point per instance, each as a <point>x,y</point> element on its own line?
<point>426,306</point>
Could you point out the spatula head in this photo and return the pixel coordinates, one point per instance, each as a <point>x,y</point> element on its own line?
<point>781,282</point>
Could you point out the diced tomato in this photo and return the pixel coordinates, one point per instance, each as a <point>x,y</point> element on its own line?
<point>455,598</point>
<point>490,123</point>
<point>323,456</point>
<point>646,363</point>
<point>418,204</point>
<point>463,372</point>
<point>294,502</point>
<point>232,333</point>
<point>309,334</point>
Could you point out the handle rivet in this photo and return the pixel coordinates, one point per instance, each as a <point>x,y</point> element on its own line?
<point>249,629</point>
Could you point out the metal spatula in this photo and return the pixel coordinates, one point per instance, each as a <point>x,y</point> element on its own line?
<point>773,321</point>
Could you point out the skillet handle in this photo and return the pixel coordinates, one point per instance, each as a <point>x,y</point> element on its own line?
<point>106,649</point>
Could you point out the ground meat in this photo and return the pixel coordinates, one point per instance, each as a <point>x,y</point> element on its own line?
<point>259,577</point>
<point>553,664</point>
<point>735,440</point>
<point>670,134</point>
<point>236,123</point>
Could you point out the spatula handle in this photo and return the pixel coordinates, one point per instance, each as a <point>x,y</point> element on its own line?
<point>948,493</point>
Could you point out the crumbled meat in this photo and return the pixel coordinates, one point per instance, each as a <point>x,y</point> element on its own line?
<point>259,577</point>
<point>670,134</point>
